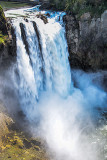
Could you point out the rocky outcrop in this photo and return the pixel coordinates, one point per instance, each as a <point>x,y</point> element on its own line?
<point>38,37</point>
<point>43,17</point>
<point>14,142</point>
<point>24,38</point>
<point>8,50</point>
<point>5,121</point>
<point>3,22</point>
<point>7,38</point>
<point>87,41</point>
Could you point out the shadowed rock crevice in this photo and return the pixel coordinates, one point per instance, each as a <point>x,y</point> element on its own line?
<point>7,39</point>
<point>24,38</point>
<point>38,37</point>
<point>43,17</point>
<point>40,50</point>
<point>3,22</point>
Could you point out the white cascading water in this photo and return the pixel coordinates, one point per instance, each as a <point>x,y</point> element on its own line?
<point>46,90</point>
<point>55,75</point>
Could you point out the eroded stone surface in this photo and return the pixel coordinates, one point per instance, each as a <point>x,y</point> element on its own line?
<point>87,41</point>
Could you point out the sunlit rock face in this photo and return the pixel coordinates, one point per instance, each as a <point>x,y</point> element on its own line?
<point>87,39</point>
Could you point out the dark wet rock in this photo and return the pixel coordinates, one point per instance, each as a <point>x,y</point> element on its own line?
<point>21,114</point>
<point>48,15</point>
<point>24,38</point>
<point>43,17</point>
<point>11,44</point>
<point>40,52</point>
<point>38,37</point>
<point>13,127</point>
<point>45,5</point>
<point>87,41</point>
<point>37,143</point>
<point>26,20</point>
<point>39,40</point>
<point>27,144</point>
<point>37,149</point>
<point>8,48</point>
<point>104,114</point>
<point>3,22</point>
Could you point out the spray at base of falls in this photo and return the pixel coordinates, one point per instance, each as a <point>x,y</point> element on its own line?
<point>46,90</point>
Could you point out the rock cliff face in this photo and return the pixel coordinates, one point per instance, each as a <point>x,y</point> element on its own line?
<point>3,22</point>
<point>7,38</point>
<point>87,41</point>
<point>8,50</point>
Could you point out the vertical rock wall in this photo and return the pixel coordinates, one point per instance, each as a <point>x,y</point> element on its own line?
<point>7,38</point>
<point>87,41</point>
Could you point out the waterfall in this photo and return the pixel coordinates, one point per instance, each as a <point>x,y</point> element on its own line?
<point>66,112</point>
<point>42,59</point>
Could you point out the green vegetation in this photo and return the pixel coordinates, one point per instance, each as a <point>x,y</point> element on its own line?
<point>3,38</point>
<point>1,12</point>
<point>3,28</point>
<point>96,7</point>
<point>2,18</point>
<point>9,5</point>
<point>16,146</point>
<point>95,10</point>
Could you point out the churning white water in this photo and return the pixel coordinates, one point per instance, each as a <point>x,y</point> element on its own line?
<point>67,115</point>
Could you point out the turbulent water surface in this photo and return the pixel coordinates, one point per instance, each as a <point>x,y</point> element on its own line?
<point>64,110</point>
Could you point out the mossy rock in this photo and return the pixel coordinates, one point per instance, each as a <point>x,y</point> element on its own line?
<point>17,146</point>
<point>3,22</point>
<point>3,39</point>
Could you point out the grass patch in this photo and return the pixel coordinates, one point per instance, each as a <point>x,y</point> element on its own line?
<point>11,5</point>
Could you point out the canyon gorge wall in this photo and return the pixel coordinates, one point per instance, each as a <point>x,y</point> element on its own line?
<point>87,41</point>
<point>7,38</point>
